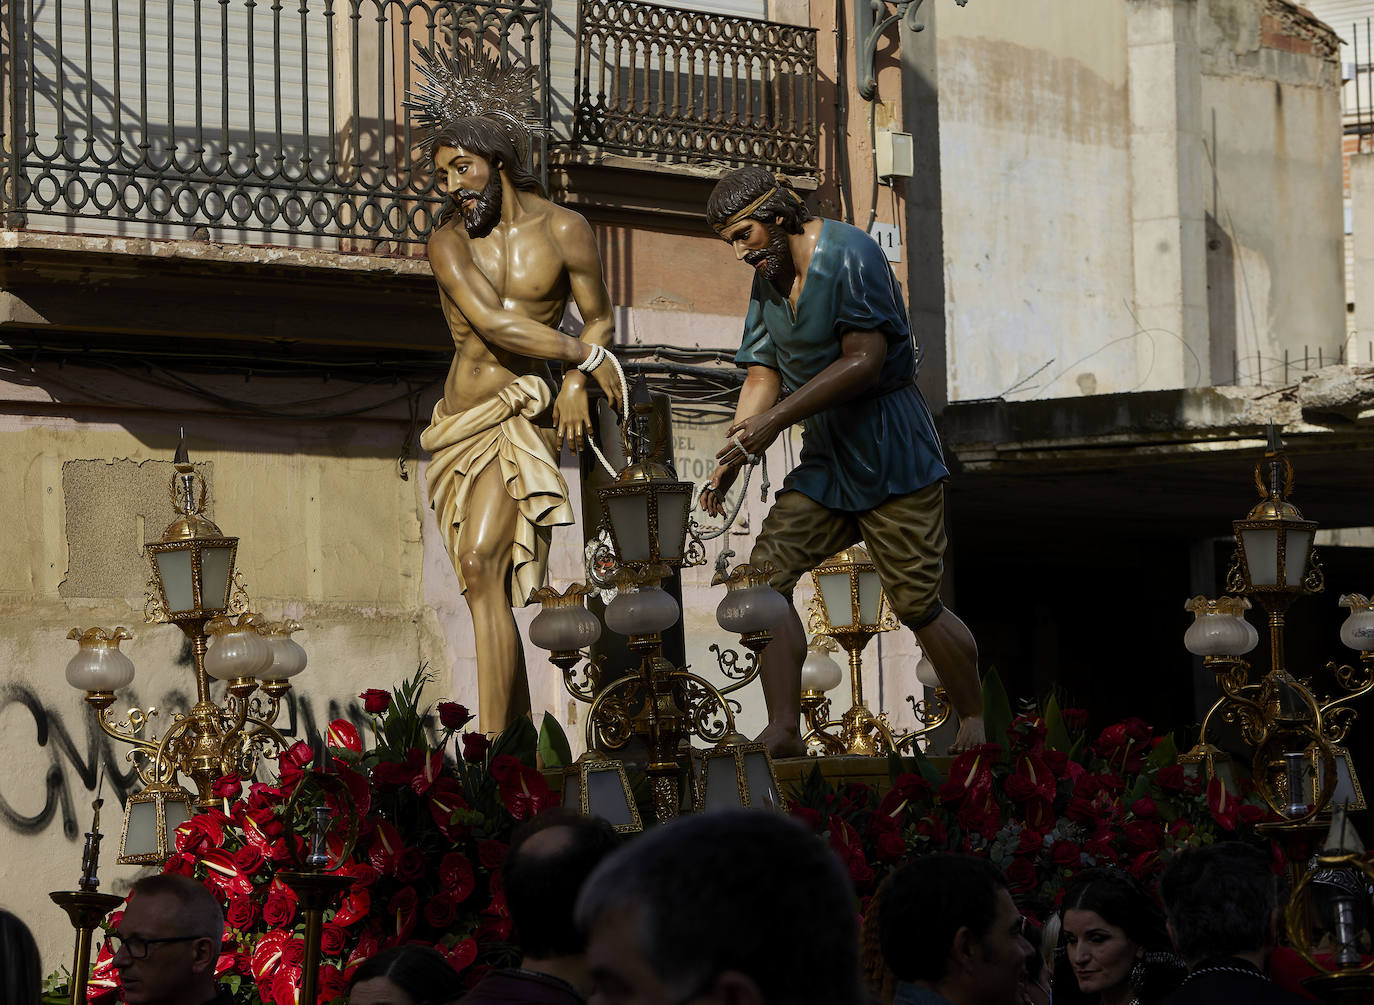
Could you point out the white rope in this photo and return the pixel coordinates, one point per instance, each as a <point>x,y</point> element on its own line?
<point>594,359</point>
<point>751,460</point>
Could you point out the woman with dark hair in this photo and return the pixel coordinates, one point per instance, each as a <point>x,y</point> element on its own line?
<point>21,976</point>
<point>1114,948</point>
<point>405,975</point>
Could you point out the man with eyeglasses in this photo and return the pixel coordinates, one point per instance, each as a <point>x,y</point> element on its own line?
<point>167,943</point>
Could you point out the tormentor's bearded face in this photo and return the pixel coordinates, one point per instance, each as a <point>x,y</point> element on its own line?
<point>767,250</point>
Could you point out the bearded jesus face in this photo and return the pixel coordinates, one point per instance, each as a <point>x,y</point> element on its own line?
<point>473,185</point>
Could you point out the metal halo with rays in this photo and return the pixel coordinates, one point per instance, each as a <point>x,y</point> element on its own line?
<point>471,84</point>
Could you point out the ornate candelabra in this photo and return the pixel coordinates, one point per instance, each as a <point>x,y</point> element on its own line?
<point>1291,727</point>
<point>86,906</point>
<point>849,609</point>
<point>195,586</point>
<point>648,533</point>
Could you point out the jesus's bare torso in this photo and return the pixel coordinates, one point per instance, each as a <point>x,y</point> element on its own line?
<point>525,266</point>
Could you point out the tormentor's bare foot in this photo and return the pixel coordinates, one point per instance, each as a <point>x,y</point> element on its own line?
<point>971,734</point>
<point>782,741</point>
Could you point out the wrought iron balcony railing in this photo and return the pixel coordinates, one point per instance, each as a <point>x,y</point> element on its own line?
<point>673,84</point>
<point>241,118</point>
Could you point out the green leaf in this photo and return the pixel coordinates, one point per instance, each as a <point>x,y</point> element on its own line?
<point>1056,733</point>
<point>553,743</point>
<point>996,709</point>
<point>1163,755</point>
<point>929,771</point>
<point>519,740</point>
<point>895,766</point>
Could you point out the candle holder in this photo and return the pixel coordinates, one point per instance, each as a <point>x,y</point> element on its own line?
<point>86,906</point>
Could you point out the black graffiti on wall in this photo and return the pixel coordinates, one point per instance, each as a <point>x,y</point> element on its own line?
<point>73,763</point>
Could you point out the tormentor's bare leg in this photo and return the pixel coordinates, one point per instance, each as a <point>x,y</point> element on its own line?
<point>951,647</point>
<point>484,555</point>
<point>780,674</point>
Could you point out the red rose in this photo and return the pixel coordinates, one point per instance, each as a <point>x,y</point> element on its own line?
<point>1143,835</point>
<point>410,866</point>
<point>182,864</point>
<point>1065,854</point>
<point>1075,719</point>
<point>343,735</point>
<point>249,859</point>
<point>491,854</point>
<point>333,939</point>
<point>228,787</point>
<point>1019,788</point>
<point>1021,875</point>
<point>242,912</point>
<point>1249,813</point>
<point>1031,841</point>
<point>1145,808</point>
<point>376,701</point>
<point>440,912</point>
<point>475,747</point>
<point>333,984</point>
<point>280,908</point>
<point>452,715</point>
<point>806,815</point>
<point>890,847</point>
<point>293,952</point>
<point>1172,778</point>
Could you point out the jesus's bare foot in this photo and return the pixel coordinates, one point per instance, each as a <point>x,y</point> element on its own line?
<point>782,741</point>
<point>971,734</point>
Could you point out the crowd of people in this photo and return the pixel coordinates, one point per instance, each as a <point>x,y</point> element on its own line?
<point>750,908</point>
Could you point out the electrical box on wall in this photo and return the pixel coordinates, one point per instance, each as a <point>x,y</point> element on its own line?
<point>896,154</point>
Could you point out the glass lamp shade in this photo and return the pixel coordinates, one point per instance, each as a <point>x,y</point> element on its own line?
<point>820,672</point>
<point>597,786</point>
<point>647,510</point>
<point>236,650</point>
<point>151,818</point>
<point>565,629</point>
<point>850,591</point>
<point>1275,550</point>
<point>98,664</point>
<point>737,775</point>
<point>288,655</point>
<point>1219,628</point>
<point>1357,631</point>
<point>194,575</point>
<point>751,608</point>
<point>643,610</point>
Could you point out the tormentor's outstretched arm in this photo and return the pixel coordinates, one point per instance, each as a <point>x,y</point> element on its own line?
<point>762,385</point>
<point>857,370</point>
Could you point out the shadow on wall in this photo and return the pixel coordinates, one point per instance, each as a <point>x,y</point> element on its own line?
<point>1221,302</point>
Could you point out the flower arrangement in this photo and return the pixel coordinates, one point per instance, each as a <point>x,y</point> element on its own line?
<point>421,834</point>
<point>1042,804</point>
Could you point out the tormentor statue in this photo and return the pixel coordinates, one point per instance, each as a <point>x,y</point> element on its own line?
<point>827,342</point>
<point>506,260</point>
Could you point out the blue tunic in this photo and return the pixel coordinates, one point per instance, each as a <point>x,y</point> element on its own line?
<point>882,443</point>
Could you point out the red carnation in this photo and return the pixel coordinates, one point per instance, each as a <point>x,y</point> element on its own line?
<point>452,715</point>
<point>375,700</point>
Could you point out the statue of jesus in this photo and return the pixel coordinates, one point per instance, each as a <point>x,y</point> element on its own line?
<point>506,260</point>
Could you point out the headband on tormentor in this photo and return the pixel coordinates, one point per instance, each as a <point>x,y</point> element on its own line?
<point>748,210</point>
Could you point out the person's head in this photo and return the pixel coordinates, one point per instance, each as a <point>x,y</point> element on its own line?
<point>470,156</point>
<point>550,857</point>
<point>949,921</point>
<point>1221,900</point>
<point>754,212</point>
<point>1113,934</point>
<point>405,975</point>
<point>168,942</point>
<point>744,906</point>
<point>21,975</point>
